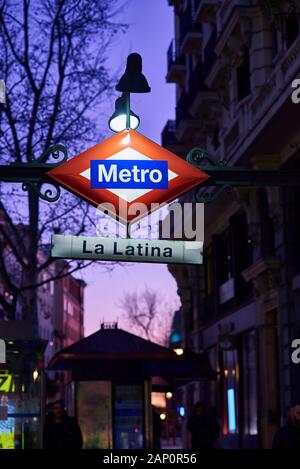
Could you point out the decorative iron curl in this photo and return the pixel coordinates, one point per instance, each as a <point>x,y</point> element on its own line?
<point>51,194</point>
<point>197,155</point>
<point>53,151</point>
<point>205,197</point>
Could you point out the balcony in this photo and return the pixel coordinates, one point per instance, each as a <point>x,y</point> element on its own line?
<point>209,53</point>
<point>190,32</point>
<point>174,3</point>
<point>186,124</point>
<point>170,141</point>
<point>201,96</point>
<point>205,10</point>
<point>228,6</point>
<point>176,65</point>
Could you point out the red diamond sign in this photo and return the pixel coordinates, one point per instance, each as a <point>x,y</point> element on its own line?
<point>129,173</point>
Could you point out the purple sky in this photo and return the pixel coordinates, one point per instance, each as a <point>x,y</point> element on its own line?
<point>150,32</point>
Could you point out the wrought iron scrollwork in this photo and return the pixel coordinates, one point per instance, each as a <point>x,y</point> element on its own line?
<point>55,151</point>
<point>52,191</point>
<point>197,156</point>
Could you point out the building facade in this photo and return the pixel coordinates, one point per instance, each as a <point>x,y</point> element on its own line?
<point>234,63</point>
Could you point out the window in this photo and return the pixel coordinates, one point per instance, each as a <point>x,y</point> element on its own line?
<point>274,41</point>
<point>216,141</point>
<point>291,29</point>
<point>230,377</point>
<point>243,76</point>
<point>250,383</point>
<point>224,259</point>
<point>208,271</point>
<point>70,308</point>
<point>267,235</point>
<point>242,253</point>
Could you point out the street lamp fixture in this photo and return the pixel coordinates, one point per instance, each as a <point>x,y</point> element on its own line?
<point>132,81</point>
<point>118,120</point>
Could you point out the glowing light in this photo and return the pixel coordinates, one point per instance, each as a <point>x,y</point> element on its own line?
<point>126,139</point>
<point>226,372</point>
<point>169,395</point>
<point>178,351</point>
<point>231,410</point>
<point>163,416</point>
<point>118,123</point>
<point>35,375</point>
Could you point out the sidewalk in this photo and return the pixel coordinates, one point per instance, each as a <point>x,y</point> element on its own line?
<point>171,443</point>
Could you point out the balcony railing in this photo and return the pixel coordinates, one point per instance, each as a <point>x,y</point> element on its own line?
<point>187,23</point>
<point>205,10</point>
<point>168,135</point>
<point>176,65</point>
<point>196,82</point>
<point>209,53</point>
<point>182,108</point>
<point>172,56</point>
<point>197,4</point>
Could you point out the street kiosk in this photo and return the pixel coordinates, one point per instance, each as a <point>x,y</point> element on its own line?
<point>110,386</point>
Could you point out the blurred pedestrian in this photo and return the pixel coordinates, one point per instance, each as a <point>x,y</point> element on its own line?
<point>203,426</point>
<point>288,436</point>
<point>61,431</point>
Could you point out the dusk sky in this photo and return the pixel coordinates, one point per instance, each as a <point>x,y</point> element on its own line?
<point>149,33</point>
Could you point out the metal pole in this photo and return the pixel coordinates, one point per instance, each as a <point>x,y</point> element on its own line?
<point>128,230</point>
<point>127,110</point>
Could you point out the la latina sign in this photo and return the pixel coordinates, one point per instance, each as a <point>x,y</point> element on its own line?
<point>127,175</point>
<point>123,249</point>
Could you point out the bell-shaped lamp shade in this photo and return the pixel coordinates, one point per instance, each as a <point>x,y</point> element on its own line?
<point>117,122</point>
<point>133,81</point>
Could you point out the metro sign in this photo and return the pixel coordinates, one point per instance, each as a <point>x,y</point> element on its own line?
<point>124,170</point>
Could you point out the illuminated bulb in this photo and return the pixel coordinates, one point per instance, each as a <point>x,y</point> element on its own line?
<point>35,375</point>
<point>118,123</point>
<point>169,395</point>
<point>226,372</point>
<point>162,416</point>
<point>178,351</point>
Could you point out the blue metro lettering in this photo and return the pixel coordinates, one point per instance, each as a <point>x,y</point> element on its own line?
<point>129,174</point>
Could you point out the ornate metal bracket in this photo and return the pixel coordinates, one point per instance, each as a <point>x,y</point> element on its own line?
<point>33,175</point>
<point>224,178</point>
<point>196,156</point>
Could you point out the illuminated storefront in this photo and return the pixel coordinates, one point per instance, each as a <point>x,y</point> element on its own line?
<point>20,397</point>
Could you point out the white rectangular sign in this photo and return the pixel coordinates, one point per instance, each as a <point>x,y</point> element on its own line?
<point>2,351</point>
<point>127,250</point>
